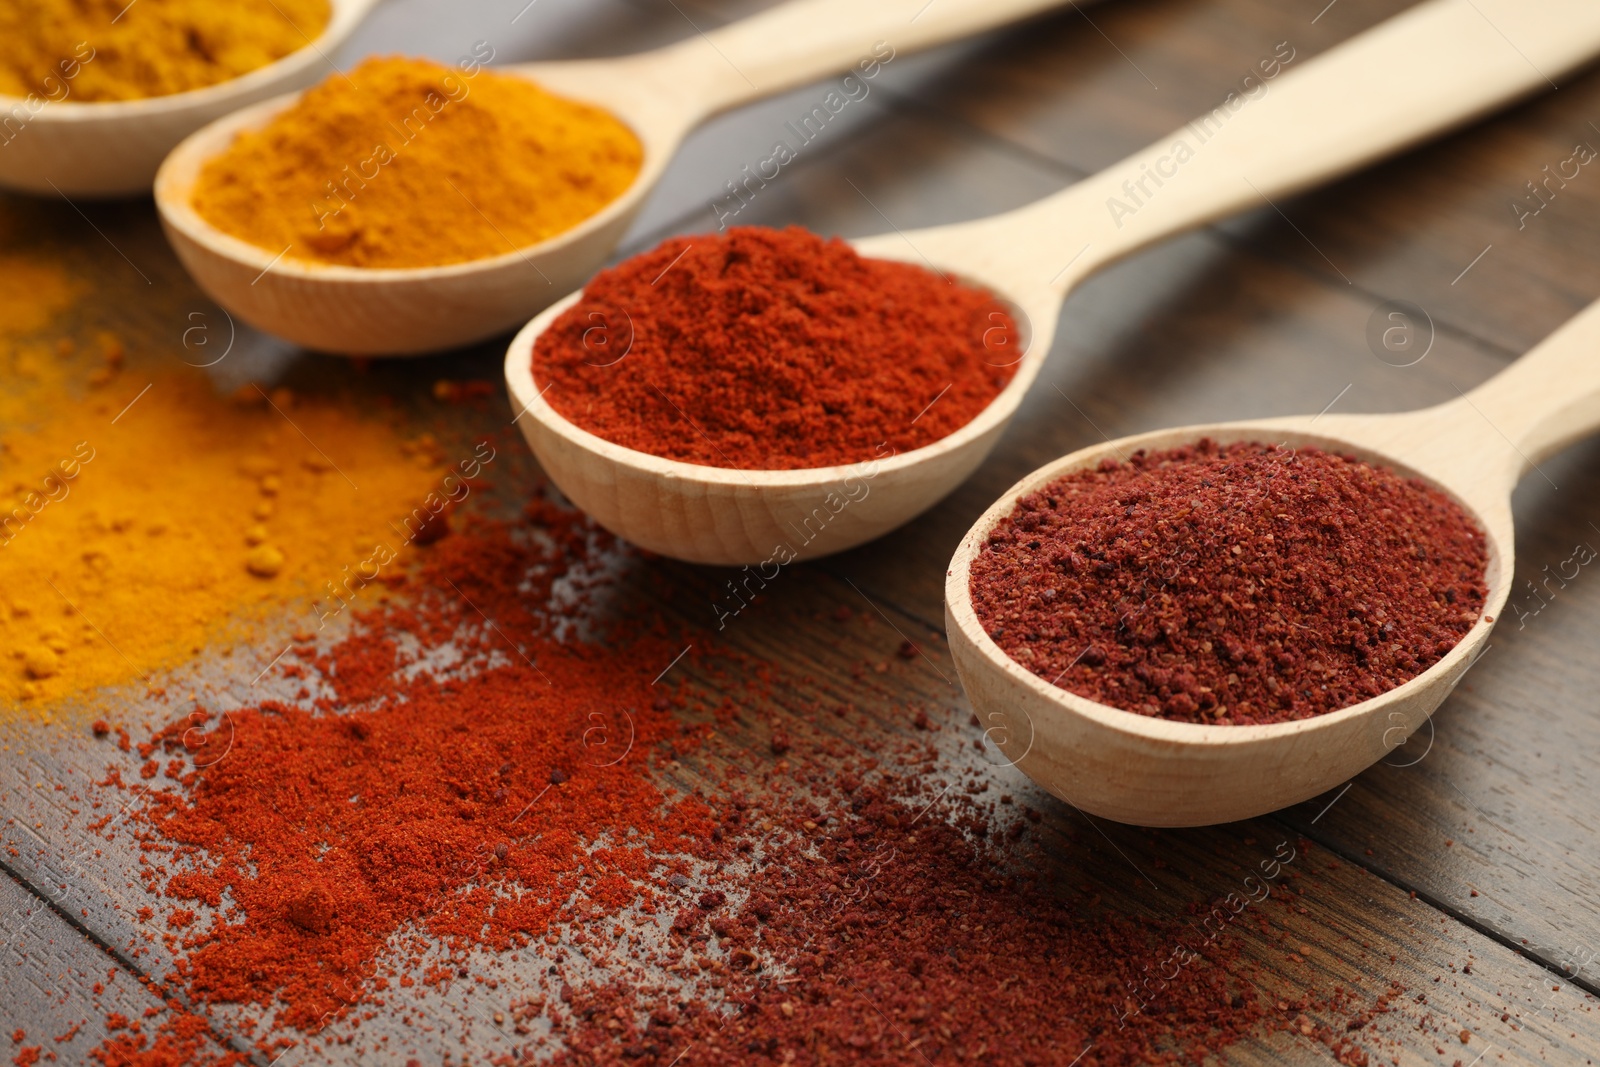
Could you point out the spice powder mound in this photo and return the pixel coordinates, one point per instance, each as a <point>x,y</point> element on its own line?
<point>407,163</point>
<point>1231,584</point>
<point>774,350</point>
<point>106,452</point>
<point>312,861</point>
<point>103,50</point>
<point>104,516</point>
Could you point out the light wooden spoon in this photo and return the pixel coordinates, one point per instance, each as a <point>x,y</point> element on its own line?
<point>1153,772</point>
<point>113,148</point>
<point>1437,65</point>
<point>661,95</point>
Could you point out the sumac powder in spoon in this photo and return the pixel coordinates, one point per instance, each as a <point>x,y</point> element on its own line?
<point>774,350</point>
<point>1231,584</point>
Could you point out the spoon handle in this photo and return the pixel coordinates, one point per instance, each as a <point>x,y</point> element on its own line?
<point>1439,64</point>
<point>801,41</point>
<point>1545,401</point>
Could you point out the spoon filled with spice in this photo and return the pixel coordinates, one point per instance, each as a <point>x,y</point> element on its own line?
<point>757,397</point>
<point>1205,624</point>
<point>409,207</point>
<point>94,94</point>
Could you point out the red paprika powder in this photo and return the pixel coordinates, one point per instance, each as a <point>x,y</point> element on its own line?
<point>774,350</point>
<point>1232,584</point>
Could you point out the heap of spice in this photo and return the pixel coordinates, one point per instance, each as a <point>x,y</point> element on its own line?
<point>102,50</point>
<point>1231,584</point>
<point>316,859</point>
<point>126,481</point>
<point>774,350</point>
<point>406,163</point>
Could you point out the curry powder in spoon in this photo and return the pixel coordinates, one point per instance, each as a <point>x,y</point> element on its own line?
<point>407,163</point>
<point>92,51</point>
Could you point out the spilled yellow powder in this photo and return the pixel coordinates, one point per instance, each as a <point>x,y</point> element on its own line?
<point>31,294</point>
<point>138,525</point>
<point>98,50</point>
<point>406,163</point>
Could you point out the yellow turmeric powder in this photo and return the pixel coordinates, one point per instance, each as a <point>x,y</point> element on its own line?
<point>143,517</point>
<point>407,163</point>
<point>98,50</point>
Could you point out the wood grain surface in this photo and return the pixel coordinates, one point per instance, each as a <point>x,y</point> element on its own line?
<point>1464,870</point>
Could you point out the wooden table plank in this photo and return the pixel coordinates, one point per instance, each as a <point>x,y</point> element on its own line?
<point>58,987</point>
<point>1341,926</point>
<point>1495,819</point>
<point>1212,325</point>
<point>1401,230</point>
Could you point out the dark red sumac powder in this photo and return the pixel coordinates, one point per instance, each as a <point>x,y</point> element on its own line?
<point>1231,584</point>
<point>774,350</point>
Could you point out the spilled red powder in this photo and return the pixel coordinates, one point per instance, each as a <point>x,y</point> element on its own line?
<point>1231,584</point>
<point>775,350</point>
<point>182,1038</point>
<point>456,805</point>
<point>518,798</point>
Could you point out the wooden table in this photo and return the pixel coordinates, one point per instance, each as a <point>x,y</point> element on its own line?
<point>1475,843</point>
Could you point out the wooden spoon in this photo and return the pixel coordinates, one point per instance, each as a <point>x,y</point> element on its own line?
<point>661,95</point>
<point>1437,65</point>
<point>1149,771</point>
<point>113,148</point>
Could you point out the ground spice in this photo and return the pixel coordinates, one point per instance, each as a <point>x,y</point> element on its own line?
<point>774,349</point>
<point>98,50</point>
<point>515,801</point>
<point>406,163</point>
<point>1231,584</point>
<point>32,293</point>
<point>126,481</point>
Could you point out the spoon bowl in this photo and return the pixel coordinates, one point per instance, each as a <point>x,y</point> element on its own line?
<point>400,311</point>
<point>1431,67</point>
<point>1150,771</point>
<point>660,95</point>
<point>113,148</point>
<point>732,517</point>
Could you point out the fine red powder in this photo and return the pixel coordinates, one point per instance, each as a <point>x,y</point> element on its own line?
<point>1231,584</point>
<point>828,906</point>
<point>774,350</point>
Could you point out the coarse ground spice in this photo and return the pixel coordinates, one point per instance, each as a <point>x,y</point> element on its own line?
<point>1231,584</point>
<point>774,350</point>
<point>309,858</point>
<point>406,163</point>
<point>102,50</point>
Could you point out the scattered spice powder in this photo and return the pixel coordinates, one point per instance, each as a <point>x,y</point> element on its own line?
<point>775,350</point>
<point>33,291</point>
<point>1232,584</point>
<point>101,50</point>
<point>406,163</point>
<point>127,481</point>
<point>336,846</point>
